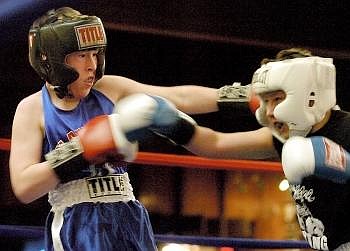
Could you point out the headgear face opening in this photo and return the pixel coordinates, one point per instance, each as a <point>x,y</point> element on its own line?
<point>309,85</point>
<point>50,42</point>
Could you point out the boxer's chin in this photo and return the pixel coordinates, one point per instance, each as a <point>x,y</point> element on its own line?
<point>281,129</point>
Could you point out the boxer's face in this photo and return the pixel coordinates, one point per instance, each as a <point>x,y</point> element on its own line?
<point>85,63</point>
<point>271,100</point>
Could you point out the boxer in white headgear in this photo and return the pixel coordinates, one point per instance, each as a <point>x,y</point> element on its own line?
<point>302,128</point>
<point>309,86</point>
<point>303,91</point>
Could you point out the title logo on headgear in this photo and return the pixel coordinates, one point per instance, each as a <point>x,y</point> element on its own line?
<point>90,35</point>
<point>260,76</point>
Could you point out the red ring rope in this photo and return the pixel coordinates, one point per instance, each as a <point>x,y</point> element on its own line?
<point>161,159</point>
<point>5,144</point>
<point>200,162</point>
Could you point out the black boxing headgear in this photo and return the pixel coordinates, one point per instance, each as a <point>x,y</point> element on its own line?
<point>59,33</point>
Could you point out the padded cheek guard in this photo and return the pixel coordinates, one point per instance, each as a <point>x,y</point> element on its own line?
<point>49,45</point>
<point>309,84</point>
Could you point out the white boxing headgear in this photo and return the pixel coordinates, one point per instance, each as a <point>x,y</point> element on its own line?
<point>309,84</point>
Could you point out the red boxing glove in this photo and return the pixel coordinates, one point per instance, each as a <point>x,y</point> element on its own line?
<point>99,140</point>
<point>237,98</point>
<point>254,101</point>
<point>102,138</point>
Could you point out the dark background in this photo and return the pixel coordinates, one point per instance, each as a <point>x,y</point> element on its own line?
<point>210,43</point>
<point>170,42</point>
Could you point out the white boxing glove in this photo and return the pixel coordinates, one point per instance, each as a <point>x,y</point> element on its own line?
<point>141,111</point>
<point>319,156</point>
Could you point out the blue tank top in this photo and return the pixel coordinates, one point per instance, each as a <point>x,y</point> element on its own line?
<point>61,125</point>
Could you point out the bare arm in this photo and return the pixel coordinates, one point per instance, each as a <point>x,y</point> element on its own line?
<point>190,99</point>
<point>164,119</point>
<point>256,144</point>
<point>30,179</point>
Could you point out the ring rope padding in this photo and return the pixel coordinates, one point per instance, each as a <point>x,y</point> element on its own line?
<point>189,161</point>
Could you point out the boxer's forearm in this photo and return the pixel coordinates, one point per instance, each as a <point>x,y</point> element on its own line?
<point>34,182</point>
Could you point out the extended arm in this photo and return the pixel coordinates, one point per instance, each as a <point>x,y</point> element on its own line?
<point>191,99</point>
<point>160,116</point>
<point>255,144</point>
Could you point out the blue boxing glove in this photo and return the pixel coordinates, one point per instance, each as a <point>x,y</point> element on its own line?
<point>141,112</point>
<point>319,156</point>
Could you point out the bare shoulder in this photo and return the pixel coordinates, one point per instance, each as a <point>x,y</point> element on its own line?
<point>31,103</point>
<point>30,110</point>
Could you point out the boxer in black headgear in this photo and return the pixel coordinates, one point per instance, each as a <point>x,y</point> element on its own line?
<point>54,36</point>
<point>61,134</point>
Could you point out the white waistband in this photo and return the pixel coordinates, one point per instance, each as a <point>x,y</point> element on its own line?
<point>110,188</point>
